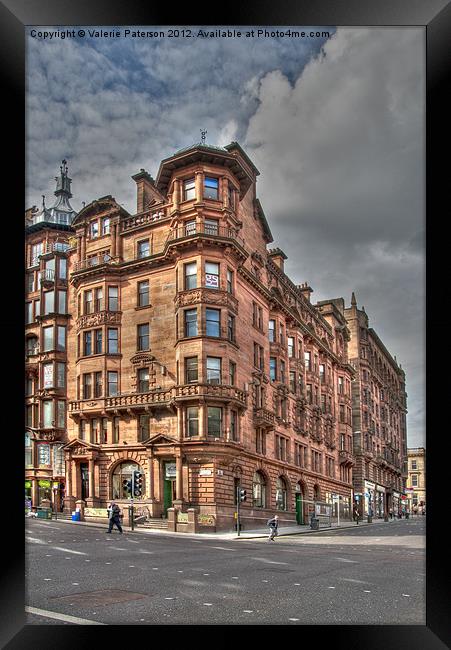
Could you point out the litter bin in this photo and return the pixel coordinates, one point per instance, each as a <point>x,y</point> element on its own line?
<point>314,523</point>
<point>44,513</point>
<point>76,516</point>
<point>370,519</point>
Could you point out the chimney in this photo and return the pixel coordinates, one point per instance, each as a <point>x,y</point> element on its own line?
<point>278,257</point>
<point>306,290</point>
<point>145,190</point>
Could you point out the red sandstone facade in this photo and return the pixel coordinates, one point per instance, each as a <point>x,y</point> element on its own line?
<point>193,357</point>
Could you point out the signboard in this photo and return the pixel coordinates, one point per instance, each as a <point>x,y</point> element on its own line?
<point>48,375</point>
<point>44,455</point>
<point>182,517</point>
<point>205,472</point>
<point>170,471</point>
<point>44,484</point>
<point>211,281</point>
<point>206,520</point>
<point>96,512</point>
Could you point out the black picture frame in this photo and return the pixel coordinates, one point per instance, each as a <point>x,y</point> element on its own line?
<point>435,17</point>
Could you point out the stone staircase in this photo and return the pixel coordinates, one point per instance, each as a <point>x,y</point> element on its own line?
<point>155,522</point>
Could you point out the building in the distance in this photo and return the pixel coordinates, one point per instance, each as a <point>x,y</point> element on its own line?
<point>47,319</point>
<point>416,481</point>
<point>190,356</point>
<point>379,419</point>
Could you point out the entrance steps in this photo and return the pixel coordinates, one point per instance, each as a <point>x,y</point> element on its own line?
<point>155,522</point>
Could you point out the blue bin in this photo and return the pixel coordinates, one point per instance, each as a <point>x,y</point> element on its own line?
<point>76,516</point>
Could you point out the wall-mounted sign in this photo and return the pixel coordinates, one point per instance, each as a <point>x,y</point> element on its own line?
<point>170,470</point>
<point>205,472</point>
<point>211,281</point>
<point>44,484</point>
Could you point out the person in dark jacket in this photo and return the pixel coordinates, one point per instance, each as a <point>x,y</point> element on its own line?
<point>114,513</point>
<point>273,526</point>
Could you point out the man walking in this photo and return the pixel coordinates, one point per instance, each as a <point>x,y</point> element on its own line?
<point>114,517</point>
<point>273,526</point>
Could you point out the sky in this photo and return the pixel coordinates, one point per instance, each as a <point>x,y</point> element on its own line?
<point>334,123</point>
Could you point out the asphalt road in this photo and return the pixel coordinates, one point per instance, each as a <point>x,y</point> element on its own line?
<point>369,575</point>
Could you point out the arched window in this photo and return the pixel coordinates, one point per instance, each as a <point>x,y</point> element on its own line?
<point>316,493</point>
<point>259,490</point>
<point>124,471</point>
<point>281,494</point>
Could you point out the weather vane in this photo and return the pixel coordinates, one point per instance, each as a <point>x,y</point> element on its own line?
<point>203,134</point>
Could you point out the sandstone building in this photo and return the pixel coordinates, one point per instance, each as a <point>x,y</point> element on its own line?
<point>416,480</point>
<point>379,419</point>
<point>190,355</point>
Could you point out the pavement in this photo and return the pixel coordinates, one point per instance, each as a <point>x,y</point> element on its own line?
<point>295,529</point>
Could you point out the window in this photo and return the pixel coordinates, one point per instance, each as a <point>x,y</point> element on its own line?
<point>213,370</point>
<point>192,421</point>
<point>272,330</point>
<point>190,275</point>
<point>272,368</point>
<point>212,275</point>
<point>229,281</point>
<point>124,472</point>
<point>190,228</point>
<point>98,342</point>
<point>191,370</point>
<point>98,302</point>
<point>37,308</point>
<point>115,436</point>
<point>143,427</point>
<point>414,478</point>
<point>211,188</point>
<point>47,412</point>
<point>87,343</point>
<point>62,302</point>
<point>29,312</point>
<point>233,425</point>
<point>231,327</point>
<point>98,384</point>
<point>281,448</point>
<point>308,360</point>
<point>230,195</point>
<point>47,375</point>
<point>62,268</point>
<point>87,385</point>
<point>260,442</point>
<point>316,461</point>
<point>112,383</point>
<point>281,334</point>
<point>282,371</point>
<point>211,227</point>
<point>292,381</point>
<point>60,414</point>
<point>232,373</point>
<point>413,464</point>
<point>143,293</point>
<point>113,303</point>
<point>309,394</point>
<point>143,336</point>
<point>190,322</point>
<point>44,455</point>
<point>189,189</point>
<point>28,451</point>
<point>281,494</point>
<point>32,345</point>
<point>322,372</point>
<point>88,302</point>
<point>340,385</point>
<point>61,338</point>
<point>36,250</point>
<point>49,302</point>
<point>290,342</point>
<point>214,421</point>
<point>258,490</point>
<point>143,380</point>
<point>113,347</point>
<point>94,229</point>
<point>60,375</point>
<point>143,248</point>
<point>213,321</point>
<point>106,226</point>
<point>47,333</point>
<point>29,386</point>
<point>30,281</point>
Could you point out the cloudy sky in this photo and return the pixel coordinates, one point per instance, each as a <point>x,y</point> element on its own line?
<point>335,124</point>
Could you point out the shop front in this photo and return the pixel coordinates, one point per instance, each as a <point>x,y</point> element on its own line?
<point>380,502</point>
<point>370,499</point>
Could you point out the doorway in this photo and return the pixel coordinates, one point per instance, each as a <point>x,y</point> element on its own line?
<point>169,493</point>
<point>84,473</point>
<point>299,508</point>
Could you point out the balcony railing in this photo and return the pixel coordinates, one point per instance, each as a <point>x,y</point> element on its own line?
<point>264,418</point>
<point>189,231</point>
<point>99,260</point>
<point>47,276</point>
<point>144,219</point>
<point>345,456</point>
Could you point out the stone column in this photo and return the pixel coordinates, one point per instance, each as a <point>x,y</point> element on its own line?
<point>202,424</point>
<point>226,423</point>
<point>91,479</point>
<point>150,474</point>
<point>83,246</point>
<point>224,191</point>
<point>113,240</point>
<point>176,195</point>
<point>178,479</point>
<point>118,239</point>
<point>199,180</point>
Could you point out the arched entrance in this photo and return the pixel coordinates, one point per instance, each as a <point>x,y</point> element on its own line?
<point>300,516</point>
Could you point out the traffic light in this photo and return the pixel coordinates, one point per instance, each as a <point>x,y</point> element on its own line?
<point>127,485</point>
<point>137,483</point>
<point>242,495</point>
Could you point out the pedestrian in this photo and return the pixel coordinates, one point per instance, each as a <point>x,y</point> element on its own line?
<point>356,514</point>
<point>390,512</point>
<point>273,526</point>
<point>114,513</point>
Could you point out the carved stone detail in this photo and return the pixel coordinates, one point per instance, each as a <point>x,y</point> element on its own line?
<point>208,296</point>
<point>99,318</point>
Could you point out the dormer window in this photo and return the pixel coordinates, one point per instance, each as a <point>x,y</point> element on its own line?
<point>211,188</point>
<point>189,189</point>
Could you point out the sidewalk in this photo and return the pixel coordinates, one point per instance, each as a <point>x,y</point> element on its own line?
<point>248,534</point>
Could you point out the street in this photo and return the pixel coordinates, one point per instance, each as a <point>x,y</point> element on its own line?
<point>369,575</point>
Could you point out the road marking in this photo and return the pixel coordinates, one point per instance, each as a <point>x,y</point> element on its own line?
<point>48,579</point>
<point>206,574</point>
<point>352,580</point>
<point>116,548</point>
<point>407,595</point>
<point>343,559</point>
<point>35,540</point>
<point>331,587</point>
<point>234,577</point>
<point>223,548</point>
<point>154,568</point>
<point>131,566</point>
<point>293,619</point>
<point>248,611</point>
<point>169,598</point>
<point>366,591</point>
<point>141,550</point>
<point>68,550</point>
<point>297,584</point>
<point>263,559</point>
<point>208,604</point>
<point>76,583</point>
<point>61,617</point>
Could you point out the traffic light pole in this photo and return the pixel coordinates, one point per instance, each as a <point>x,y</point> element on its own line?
<point>238,499</point>
<point>131,516</point>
